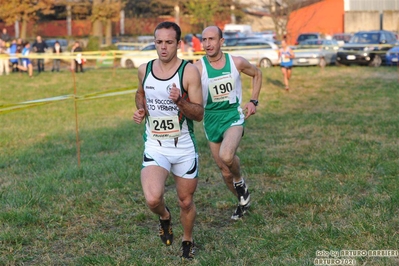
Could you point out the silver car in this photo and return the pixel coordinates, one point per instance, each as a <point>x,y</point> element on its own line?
<point>257,51</point>
<point>317,52</point>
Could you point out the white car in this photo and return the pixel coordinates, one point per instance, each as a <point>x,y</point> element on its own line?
<point>257,51</point>
<point>142,56</point>
<point>136,58</point>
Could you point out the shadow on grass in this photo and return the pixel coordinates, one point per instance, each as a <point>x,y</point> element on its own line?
<point>275,82</point>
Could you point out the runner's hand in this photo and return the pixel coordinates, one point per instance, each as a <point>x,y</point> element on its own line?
<point>174,94</point>
<point>138,115</point>
<point>249,109</point>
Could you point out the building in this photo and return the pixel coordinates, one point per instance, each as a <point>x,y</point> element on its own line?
<point>343,16</point>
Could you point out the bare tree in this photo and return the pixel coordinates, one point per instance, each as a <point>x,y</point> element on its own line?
<point>280,11</point>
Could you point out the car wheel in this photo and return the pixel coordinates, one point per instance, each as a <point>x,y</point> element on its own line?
<point>264,63</point>
<point>376,61</point>
<point>129,63</point>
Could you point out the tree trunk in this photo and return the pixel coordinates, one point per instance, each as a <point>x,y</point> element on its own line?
<point>23,27</point>
<point>97,29</point>
<point>69,20</point>
<point>108,32</point>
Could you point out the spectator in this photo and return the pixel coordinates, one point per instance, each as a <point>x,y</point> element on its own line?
<point>26,63</point>
<point>57,50</point>
<point>4,36</point>
<point>4,63</point>
<point>77,49</point>
<point>13,52</point>
<point>40,47</point>
<point>196,44</point>
<point>20,47</point>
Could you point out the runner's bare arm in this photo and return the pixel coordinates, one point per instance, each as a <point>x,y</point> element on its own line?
<point>139,114</point>
<point>247,68</point>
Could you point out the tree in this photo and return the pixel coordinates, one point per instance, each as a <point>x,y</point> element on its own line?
<point>103,13</point>
<point>280,11</point>
<point>152,8</point>
<point>24,11</point>
<point>202,12</point>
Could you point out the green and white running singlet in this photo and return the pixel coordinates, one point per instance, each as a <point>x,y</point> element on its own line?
<point>166,126</point>
<point>169,135</point>
<point>222,94</point>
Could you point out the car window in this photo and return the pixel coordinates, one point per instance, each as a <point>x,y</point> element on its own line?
<point>366,38</point>
<point>391,37</point>
<point>149,47</point>
<point>264,45</point>
<point>383,37</point>
<point>303,37</point>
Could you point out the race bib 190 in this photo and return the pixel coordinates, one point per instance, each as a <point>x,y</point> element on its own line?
<point>222,89</point>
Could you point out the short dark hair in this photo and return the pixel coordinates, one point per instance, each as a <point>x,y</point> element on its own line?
<point>168,25</point>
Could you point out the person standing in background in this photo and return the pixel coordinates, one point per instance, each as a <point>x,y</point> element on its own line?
<point>13,53</point>
<point>57,50</point>
<point>197,47</point>
<point>20,48</point>
<point>4,58</point>
<point>40,47</point>
<point>5,36</point>
<point>78,61</point>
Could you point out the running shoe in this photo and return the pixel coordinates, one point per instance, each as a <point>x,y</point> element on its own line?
<point>242,194</point>
<point>244,200</point>
<point>165,230</point>
<point>239,212</point>
<point>187,250</point>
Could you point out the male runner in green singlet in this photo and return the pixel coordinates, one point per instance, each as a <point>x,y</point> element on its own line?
<point>224,118</point>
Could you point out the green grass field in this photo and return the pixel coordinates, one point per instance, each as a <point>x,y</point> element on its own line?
<point>321,161</point>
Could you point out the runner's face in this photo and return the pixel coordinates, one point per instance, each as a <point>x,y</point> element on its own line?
<point>166,44</point>
<point>211,42</point>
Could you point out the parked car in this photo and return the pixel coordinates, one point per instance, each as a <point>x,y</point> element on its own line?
<point>342,38</point>
<point>256,50</point>
<point>392,56</point>
<point>306,36</point>
<point>233,41</point>
<point>367,48</point>
<point>135,59</point>
<point>233,34</point>
<point>144,55</point>
<point>267,34</point>
<point>314,52</point>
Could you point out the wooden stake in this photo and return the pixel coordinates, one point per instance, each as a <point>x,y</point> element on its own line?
<point>76,117</point>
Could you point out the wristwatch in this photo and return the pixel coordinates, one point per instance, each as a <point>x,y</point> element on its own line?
<point>255,102</point>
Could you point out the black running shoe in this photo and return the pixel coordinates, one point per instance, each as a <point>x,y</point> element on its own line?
<point>187,250</point>
<point>239,212</point>
<point>244,201</point>
<point>243,194</point>
<point>165,230</point>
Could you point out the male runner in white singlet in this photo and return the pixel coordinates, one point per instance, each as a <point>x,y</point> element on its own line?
<point>169,97</point>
